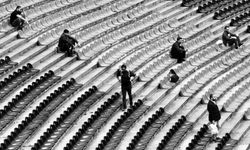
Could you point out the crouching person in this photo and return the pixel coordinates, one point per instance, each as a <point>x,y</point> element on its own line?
<point>67,44</point>
<point>17,18</point>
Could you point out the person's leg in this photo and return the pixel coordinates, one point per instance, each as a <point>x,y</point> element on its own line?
<point>129,89</point>
<point>124,98</point>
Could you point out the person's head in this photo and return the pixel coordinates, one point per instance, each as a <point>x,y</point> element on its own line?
<point>66,31</point>
<point>123,67</point>
<point>211,97</point>
<point>226,28</point>
<point>180,40</point>
<point>18,8</point>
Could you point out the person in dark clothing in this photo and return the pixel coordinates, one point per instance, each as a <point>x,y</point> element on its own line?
<point>213,110</point>
<point>17,18</point>
<point>173,77</point>
<point>248,29</point>
<point>67,43</point>
<point>178,51</point>
<point>230,39</point>
<point>213,113</point>
<point>124,76</point>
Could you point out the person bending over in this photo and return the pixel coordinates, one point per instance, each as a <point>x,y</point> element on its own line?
<point>17,18</point>
<point>67,43</point>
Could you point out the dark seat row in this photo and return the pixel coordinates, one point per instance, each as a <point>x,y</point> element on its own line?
<point>232,9</point>
<point>25,92</point>
<point>241,19</point>
<point>91,120</point>
<point>14,80</point>
<point>62,117</point>
<point>6,64</point>
<point>35,113</point>
<point>200,134</point>
<point>211,6</point>
<point>144,128</point>
<point>223,141</point>
<point>171,132</point>
<point>117,124</point>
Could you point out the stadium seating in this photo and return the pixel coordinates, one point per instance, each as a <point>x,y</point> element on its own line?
<point>48,100</point>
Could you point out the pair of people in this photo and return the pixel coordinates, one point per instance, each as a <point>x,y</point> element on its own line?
<point>17,18</point>
<point>67,44</point>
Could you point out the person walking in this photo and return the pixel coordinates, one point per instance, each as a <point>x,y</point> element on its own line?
<point>213,115</point>
<point>125,76</point>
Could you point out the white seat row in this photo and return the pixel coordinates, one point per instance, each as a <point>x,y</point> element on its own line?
<point>84,20</point>
<point>7,9</point>
<point>228,80</point>
<point>47,7</point>
<point>62,15</point>
<point>237,98</point>
<point>126,46</point>
<point>214,68</point>
<point>125,31</point>
<point>92,31</point>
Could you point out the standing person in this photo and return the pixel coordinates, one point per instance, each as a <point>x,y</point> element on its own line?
<point>125,76</point>
<point>17,18</point>
<point>213,113</point>
<point>178,51</point>
<point>67,43</point>
<point>230,39</point>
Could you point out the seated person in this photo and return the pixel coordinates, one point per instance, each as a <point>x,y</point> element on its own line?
<point>173,77</point>
<point>178,51</point>
<point>230,39</point>
<point>67,43</point>
<point>17,18</point>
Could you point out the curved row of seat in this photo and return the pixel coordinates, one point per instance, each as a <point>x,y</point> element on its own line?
<point>169,135</point>
<point>9,7</point>
<point>241,19</point>
<point>14,80</point>
<point>217,66</point>
<point>234,76</point>
<point>117,130</point>
<point>237,98</point>
<point>45,107</point>
<point>21,100</point>
<point>82,21</point>
<point>53,127</point>
<point>74,142</point>
<point>227,11</point>
<point>213,5</point>
<point>148,129</point>
<point>132,30</point>
<point>58,18</point>
<point>113,40</point>
<point>223,141</point>
<point>198,137</point>
<point>6,64</point>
